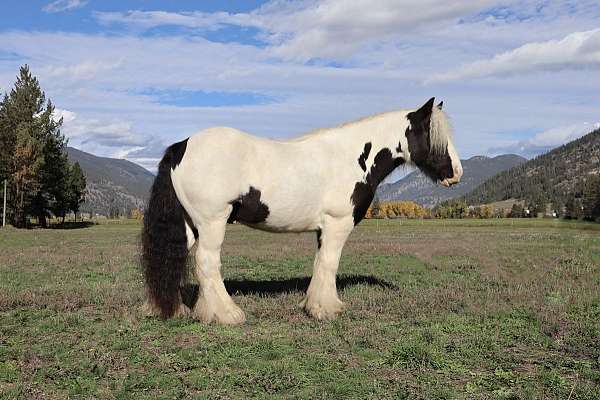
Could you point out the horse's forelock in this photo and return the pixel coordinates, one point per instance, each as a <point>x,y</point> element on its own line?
<point>440,131</point>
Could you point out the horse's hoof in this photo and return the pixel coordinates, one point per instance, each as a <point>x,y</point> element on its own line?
<point>323,310</point>
<point>149,310</point>
<point>182,312</point>
<point>234,316</point>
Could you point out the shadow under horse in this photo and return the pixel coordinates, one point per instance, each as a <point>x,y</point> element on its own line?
<point>189,292</point>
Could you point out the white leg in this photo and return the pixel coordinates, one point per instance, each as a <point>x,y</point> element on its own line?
<point>214,303</point>
<point>321,299</point>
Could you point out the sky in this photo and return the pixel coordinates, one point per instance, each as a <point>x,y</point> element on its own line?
<point>131,77</point>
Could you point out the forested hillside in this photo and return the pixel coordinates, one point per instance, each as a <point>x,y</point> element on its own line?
<point>552,177</point>
<point>114,186</point>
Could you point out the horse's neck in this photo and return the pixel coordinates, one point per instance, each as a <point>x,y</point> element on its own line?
<point>381,131</point>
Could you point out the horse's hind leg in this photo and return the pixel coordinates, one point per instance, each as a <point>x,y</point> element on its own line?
<point>321,299</point>
<point>214,303</point>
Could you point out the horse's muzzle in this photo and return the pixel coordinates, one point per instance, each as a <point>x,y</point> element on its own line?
<point>458,171</point>
<point>450,181</point>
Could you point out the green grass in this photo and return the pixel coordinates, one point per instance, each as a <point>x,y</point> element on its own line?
<point>474,309</point>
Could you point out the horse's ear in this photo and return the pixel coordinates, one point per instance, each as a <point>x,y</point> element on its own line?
<point>422,113</point>
<point>439,106</point>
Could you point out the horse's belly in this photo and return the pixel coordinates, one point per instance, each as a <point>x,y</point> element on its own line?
<point>291,219</point>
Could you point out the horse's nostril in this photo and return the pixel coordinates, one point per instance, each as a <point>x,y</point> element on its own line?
<point>458,171</point>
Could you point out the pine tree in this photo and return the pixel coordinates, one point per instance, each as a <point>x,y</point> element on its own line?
<point>7,141</point>
<point>591,198</point>
<point>516,211</point>
<point>7,149</point>
<point>539,206</point>
<point>569,207</point>
<point>573,208</point>
<point>29,161</point>
<point>32,150</point>
<point>55,173</point>
<point>375,207</point>
<point>77,184</point>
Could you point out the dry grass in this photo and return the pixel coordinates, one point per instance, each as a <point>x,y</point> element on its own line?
<point>435,309</point>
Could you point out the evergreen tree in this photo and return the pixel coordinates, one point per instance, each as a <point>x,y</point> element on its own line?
<point>557,206</point>
<point>573,208</point>
<point>516,211</point>
<point>76,191</point>
<point>29,161</point>
<point>54,175</point>
<point>539,206</point>
<point>375,207</point>
<point>591,198</point>
<point>569,207</point>
<point>452,209</point>
<point>32,150</point>
<point>7,141</point>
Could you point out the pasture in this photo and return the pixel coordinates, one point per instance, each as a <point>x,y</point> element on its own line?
<point>475,309</point>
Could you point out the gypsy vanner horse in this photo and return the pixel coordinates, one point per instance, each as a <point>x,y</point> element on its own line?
<point>322,182</point>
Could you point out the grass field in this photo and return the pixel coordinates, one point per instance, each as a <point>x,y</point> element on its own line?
<point>476,309</point>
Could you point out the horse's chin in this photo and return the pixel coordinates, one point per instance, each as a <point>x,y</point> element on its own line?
<point>449,182</point>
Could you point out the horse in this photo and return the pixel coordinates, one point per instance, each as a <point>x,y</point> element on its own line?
<point>322,182</point>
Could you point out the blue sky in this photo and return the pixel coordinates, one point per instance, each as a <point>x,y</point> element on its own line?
<point>130,77</point>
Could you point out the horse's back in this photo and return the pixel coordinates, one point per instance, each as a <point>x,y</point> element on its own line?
<point>222,164</point>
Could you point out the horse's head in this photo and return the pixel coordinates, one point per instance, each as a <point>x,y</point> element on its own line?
<point>430,144</point>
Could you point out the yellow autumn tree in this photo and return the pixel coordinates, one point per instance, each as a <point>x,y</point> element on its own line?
<point>397,209</point>
<point>136,214</point>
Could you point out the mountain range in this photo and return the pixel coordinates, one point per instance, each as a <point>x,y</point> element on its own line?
<point>418,188</point>
<point>114,186</point>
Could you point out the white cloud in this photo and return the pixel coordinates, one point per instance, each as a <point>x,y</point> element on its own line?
<point>63,5</point>
<point>576,50</point>
<point>547,140</point>
<point>334,29</point>
<point>113,138</point>
<point>194,19</point>
<point>310,29</point>
<point>85,70</point>
<point>66,115</point>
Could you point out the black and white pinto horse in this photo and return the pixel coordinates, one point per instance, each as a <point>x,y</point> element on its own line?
<point>322,182</point>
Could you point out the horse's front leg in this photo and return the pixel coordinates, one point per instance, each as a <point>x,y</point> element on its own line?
<point>321,299</point>
<point>214,303</point>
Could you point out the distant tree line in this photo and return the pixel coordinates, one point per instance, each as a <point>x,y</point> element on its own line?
<point>460,209</point>
<point>585,206</point>
<point>33,159</point>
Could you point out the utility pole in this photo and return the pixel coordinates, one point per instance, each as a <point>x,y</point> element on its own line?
<point>4,209</point>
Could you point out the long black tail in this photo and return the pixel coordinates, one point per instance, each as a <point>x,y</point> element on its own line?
<point>164,241</point>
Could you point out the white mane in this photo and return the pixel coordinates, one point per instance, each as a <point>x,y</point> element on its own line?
<point>440,131</point>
